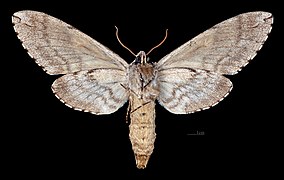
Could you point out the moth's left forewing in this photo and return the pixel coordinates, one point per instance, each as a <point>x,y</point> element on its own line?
<point>59,48</point>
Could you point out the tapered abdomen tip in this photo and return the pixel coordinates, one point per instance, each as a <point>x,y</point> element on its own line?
<point>141,161</point>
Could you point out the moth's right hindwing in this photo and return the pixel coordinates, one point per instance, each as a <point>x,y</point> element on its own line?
<point>184,91</point>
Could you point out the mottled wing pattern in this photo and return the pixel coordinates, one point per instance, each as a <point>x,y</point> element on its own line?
<point>60,48</point>
<point>99,91</point>
<point>184,91</point>
<point>94,74</point>
<point>191,77</point>
<point>226,47</point>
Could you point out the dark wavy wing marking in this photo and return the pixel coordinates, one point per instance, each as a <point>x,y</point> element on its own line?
<point>98,91</point>
<point>185,90</point>
<point>60,48</point>
<point>226,47</point>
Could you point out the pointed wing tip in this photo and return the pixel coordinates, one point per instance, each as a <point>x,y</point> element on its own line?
<point>267,17</point>
<point>16,18</point>
<point>264,16</point>
<point>23,15</point>
<point>19,15</point>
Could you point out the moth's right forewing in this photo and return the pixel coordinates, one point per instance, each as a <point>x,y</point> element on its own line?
<point>226,47</point>
<point>60,48</point>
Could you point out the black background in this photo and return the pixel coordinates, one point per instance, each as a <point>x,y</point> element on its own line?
<point>44,138</point>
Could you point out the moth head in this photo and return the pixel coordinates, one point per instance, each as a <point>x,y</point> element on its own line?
<point>141,58</point>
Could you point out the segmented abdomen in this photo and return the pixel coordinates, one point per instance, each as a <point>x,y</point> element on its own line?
<point>142,129</point>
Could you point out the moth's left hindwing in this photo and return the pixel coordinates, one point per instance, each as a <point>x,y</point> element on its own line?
<point>98,91</point>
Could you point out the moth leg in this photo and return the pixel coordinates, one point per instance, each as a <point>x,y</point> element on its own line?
<point>147,84</point>
<point>128,89</point>
<point>129,105</point>
<point>140,107</point>
<point>124,87</point>
<point>127,112</point>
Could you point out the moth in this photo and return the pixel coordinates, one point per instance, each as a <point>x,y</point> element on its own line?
<point>96,80</point>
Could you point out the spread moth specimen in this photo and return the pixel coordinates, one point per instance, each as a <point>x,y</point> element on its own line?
<point>98,81</point>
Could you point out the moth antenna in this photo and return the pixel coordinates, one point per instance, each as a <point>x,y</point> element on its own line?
<point>159,43</point>
<point>116,33</point>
